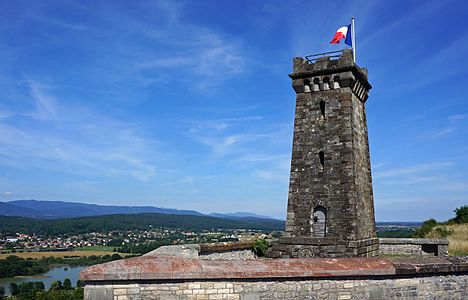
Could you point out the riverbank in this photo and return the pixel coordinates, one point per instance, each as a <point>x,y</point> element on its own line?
<point>58,273</point>
<point>60,254</point>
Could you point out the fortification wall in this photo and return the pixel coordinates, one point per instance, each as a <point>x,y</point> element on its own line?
<point>432,287</point>
<point>426,247</point>
<point>178,278</point>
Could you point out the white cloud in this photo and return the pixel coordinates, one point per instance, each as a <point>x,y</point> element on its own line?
<point>456,118</point>
<point>56,22</point>
<point>45,104</point>
<point>224,145</point>
<point>411,170</point>
<point>193,56</point>
<point>75,141</point>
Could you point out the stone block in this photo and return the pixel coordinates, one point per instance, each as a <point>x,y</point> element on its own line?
<point>171,297</point>
<point>100,292</point>
<point>185,251</point>
<point>250,296</point>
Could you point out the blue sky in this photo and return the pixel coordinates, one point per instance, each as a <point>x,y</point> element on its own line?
<point>187,104</point>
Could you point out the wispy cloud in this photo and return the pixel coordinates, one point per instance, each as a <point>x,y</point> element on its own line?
<point>224,145</point>
<point>247,143</point>
<point>75,141</point>
<point>456,118</point>
<point>56,22</point>
<point>453,124</point>
<point>225,136</point>
<point>197,56</point>
<point>217,125</point>
<point>411,170</point>
<point>45,104</point>
<point>273,168</point>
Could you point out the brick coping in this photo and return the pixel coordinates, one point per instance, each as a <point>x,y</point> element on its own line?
<point>176,268</point>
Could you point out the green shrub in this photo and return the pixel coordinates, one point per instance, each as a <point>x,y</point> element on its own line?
<point>14,290</point>
<point>67,284</point>
<point>425,228</point>
<point>442,232</point>
<point>260,247</point>
<point>461,214</point>
<point>56,285</point>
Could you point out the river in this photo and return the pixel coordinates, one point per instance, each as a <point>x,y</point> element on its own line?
<point>57,273</point>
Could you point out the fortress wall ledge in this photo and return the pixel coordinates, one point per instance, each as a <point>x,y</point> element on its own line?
<point>314,278</point>
<point>431,247</point>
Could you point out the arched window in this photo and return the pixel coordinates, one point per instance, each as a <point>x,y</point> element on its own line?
<point>316,86</point>
<point>306,85</point>
<point>326,84</point>
<point>336,82</point>
<point>319,221</point>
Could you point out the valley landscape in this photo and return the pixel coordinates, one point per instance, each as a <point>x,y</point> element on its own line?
<point>242,150</point>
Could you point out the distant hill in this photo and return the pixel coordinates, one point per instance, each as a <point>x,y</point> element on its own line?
<point>7,209</point>
<point>40,209</point>
<point>141,221</point>
<point>238,215</point>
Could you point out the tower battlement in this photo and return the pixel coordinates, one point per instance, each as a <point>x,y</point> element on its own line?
<point>329,73</point>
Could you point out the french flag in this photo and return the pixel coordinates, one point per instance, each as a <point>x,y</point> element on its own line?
<point>343,33</point>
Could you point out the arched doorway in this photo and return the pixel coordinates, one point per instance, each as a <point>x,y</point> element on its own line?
<point>319,219</point>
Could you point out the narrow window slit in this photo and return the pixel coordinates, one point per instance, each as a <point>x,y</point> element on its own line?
<point>322,108</point>
<point>322,159</point>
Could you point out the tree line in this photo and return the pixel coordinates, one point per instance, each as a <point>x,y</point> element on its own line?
<point>17,266</point>
<point>35,290</point>
<point>125,222</point>
<point>461,217</point>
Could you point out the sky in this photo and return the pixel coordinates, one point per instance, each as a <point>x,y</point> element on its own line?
<point>188,104</point>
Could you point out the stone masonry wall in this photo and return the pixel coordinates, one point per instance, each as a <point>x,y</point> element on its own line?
<point>401,249</point>
<point>362,171</point>
<point>426,247</point>
<point>437,287</point>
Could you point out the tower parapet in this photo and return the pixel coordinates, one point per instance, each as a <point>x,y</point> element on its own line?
<point>325,73</point>
<point>330,202</point>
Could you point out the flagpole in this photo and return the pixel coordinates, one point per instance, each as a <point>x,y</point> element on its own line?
<point>353,37</point>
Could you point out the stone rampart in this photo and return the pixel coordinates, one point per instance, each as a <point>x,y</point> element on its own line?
<point>342,278</point>
<point>426,247</point>
<point>434,287</point>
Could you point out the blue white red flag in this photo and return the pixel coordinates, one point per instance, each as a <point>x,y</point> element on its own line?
<point>343,33</point>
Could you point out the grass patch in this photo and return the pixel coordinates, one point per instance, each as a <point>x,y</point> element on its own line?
<point>457,234</point>
<point>97,248</point>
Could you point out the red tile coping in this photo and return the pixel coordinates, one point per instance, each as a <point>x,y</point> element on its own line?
<point>168,268</point>
<point>224,246</point>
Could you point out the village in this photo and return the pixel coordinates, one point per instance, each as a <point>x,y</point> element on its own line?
<point>117,241</point>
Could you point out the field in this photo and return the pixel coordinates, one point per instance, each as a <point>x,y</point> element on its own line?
<point>457,235</point>
<point>97,248</point>
<point>37,255</point>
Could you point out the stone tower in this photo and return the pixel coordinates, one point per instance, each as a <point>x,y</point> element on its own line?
<point>330,205</point>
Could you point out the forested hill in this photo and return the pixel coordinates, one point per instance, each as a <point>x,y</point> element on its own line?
<point>142,221</point>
